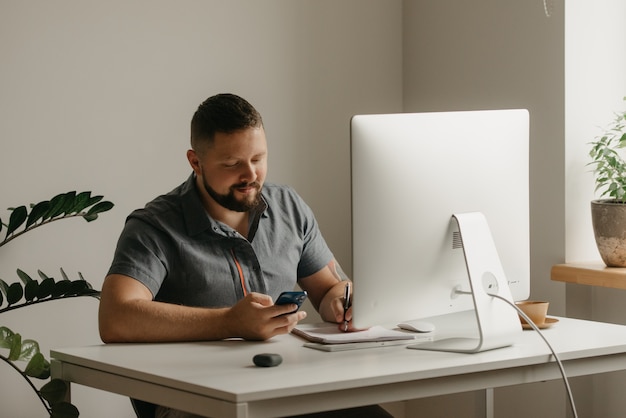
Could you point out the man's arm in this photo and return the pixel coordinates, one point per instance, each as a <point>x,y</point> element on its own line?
<point>128,313</point>
<point>326,290</point>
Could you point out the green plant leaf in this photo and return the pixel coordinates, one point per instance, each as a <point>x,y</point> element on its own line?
<point>92,214</point>
<point>29,349</point>
<point>14,293</point>
<point>64,410</point>
<point>61,288</point>
<point>38,367</point>
<point>24,277</point>
<point>68,202</point>
<point>18,216</point>
<point>37,212</point>
<point>93,200</point>
<point>82,287</point>
<point>42,275</point>
<point>6,336</point>
<point>31,290</point>
<point>15,346</point>
<point>54,391</point>
<point>4,290</point>
<point>81,201</point>
<point>31,286</point>
<point>57,206</point>
<point>45,288</point>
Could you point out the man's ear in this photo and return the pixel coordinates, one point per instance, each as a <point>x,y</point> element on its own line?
<point>194,161</point>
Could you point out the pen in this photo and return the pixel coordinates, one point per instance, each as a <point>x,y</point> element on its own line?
<point>346,305</point>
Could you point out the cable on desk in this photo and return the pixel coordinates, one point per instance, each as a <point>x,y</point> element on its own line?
<point>556,357</point>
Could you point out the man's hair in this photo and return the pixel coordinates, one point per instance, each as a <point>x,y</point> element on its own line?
<point>224,113</point>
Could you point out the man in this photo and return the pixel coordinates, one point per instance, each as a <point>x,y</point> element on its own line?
<point>206,261</point>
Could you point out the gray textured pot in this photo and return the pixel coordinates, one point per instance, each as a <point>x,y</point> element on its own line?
<point>608,217</point>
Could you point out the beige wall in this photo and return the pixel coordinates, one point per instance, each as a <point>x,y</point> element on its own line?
<point>98,96</point>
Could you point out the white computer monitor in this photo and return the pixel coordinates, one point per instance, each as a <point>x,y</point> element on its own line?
<point>410,174</point>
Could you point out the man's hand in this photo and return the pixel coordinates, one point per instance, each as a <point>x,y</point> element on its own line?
<point>255,317</point>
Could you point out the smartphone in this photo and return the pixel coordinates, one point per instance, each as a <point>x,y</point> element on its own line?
<point>291,297</point>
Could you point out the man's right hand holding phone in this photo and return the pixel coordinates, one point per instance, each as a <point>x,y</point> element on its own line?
<point>256,317</point>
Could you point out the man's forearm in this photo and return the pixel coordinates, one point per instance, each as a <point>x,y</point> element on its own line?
<point>150,321</point>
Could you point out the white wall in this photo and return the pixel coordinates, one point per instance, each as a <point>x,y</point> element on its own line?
<point>98,96</point>
<point>595,85</point>
<point>595,59</point>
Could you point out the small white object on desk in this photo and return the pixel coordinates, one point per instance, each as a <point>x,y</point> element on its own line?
<point>417,326</point>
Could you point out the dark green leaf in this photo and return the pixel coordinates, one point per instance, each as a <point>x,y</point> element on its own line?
<point>64,410</point>
<point>93,200</point>
<point>29,349</point>
<point>56,206</point>
<point>81,201</point>
<point>45,288</point>
<point>37,212</point>
<point>31,290</point>
<point>98,208</point>
<point>61,288</point>
<point>69,202</point>
<point>38,367</point>
<point>79,287</point>
<point>18,216</point>
<point>23,276</point>
<point>6,336</point>
<point>14,293</point>
<point>90,218</point>
<point>54,391</point>
<point>42,275</point>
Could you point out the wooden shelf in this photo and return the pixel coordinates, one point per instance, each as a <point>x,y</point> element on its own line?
<point>592,274</point>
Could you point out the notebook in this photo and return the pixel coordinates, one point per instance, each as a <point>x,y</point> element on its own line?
<point>327,337</point>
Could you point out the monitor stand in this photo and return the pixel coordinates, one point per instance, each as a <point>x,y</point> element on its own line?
<point>498,323</point>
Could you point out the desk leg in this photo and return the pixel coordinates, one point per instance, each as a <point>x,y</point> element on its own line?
<point>483,404</point>
<point>489,405</point>
<point>56,372</point>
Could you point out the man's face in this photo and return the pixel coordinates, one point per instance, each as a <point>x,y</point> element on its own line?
<point>233,169</point>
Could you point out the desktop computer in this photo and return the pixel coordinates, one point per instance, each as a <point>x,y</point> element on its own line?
<point>440,222</point>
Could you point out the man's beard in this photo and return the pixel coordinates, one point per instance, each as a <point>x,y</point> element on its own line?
<point>230,202</point>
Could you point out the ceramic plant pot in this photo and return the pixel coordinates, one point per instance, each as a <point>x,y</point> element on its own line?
<point>608,217</point>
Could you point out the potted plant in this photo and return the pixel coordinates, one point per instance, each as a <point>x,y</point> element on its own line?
<point>27,291</point>
<point>608,214</point>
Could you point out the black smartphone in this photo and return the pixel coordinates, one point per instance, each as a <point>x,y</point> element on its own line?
<point>291,297</point>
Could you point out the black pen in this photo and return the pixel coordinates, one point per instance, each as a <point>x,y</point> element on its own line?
<point>346,305</point>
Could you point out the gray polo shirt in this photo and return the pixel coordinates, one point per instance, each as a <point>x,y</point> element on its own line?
<point>185,257</point>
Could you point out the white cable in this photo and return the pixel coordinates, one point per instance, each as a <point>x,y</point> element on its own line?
<point>556,357</point>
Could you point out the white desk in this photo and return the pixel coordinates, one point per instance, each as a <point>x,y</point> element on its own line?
<point>218,378</point>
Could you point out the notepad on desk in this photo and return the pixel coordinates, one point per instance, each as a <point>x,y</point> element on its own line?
<point>328,337</point>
